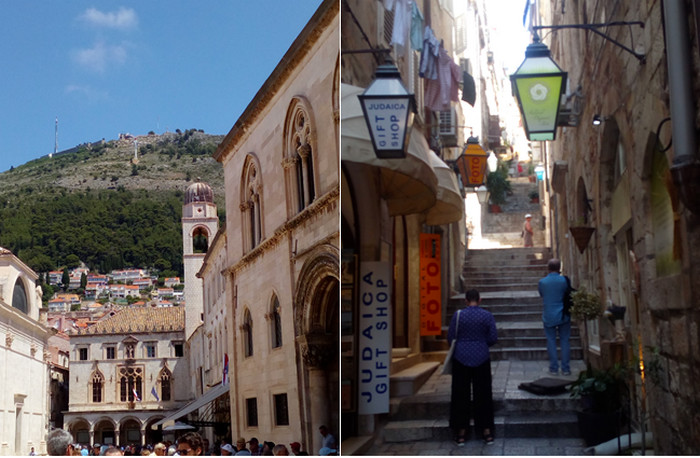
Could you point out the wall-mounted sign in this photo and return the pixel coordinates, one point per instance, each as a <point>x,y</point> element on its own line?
<point>430,286</point>
<point>375,338</point>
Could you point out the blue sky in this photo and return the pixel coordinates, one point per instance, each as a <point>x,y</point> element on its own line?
<point>104,68</point>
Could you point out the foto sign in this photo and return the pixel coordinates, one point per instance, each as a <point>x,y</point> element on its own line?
<point>430,286</point>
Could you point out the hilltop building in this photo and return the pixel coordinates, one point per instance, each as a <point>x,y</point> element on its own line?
<point>24,378</point>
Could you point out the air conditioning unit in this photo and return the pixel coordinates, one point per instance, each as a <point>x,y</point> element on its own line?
<point>447,127</point>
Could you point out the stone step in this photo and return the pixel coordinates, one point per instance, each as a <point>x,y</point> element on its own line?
<point>408,381</point>
<point>553,424</point>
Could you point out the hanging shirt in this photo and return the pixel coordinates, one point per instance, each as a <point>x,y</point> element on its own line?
<point>416,27</point>
<point>402,20</point>
<point>445,89</point>
<point>429,55</point>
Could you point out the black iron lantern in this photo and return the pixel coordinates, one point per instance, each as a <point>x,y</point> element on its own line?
<point>388,109</point>
<point>538,85</point>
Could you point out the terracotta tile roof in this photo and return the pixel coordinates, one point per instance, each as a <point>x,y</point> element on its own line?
<point>140,319</point>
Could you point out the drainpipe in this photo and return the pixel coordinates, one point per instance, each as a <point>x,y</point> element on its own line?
<point>686,166</point>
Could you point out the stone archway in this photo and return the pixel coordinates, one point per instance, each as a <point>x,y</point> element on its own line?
<point>130,432</point>
<point>80,429</point>
<point>317,330</point>
<point>153,436</point>
<point>105,432</point>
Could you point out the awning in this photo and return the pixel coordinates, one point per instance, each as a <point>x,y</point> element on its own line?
<point>449,206</point>
<point>203,400</point>
<point>408,185</point>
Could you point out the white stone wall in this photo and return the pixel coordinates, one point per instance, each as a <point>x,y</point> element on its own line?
<point>24,383</point>
<point>272,268</point>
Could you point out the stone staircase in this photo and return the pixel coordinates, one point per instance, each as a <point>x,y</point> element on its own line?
<point>507,281</point>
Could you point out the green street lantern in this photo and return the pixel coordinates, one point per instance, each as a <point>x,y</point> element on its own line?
<point>388,109</point>
<point>538,85</point>
<point>472,163</point>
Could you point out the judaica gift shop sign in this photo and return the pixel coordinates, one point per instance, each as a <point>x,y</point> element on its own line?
<point>375,337</point>
<point>387,120</point>
<point>430,285</point>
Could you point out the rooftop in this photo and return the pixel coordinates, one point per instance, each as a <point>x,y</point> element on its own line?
<point>140,319</point>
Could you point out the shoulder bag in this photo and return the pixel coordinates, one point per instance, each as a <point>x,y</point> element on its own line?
<point>447,365</point>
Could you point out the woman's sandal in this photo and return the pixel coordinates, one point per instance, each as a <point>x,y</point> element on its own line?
<point>488,437</point>
<point>461,439</point>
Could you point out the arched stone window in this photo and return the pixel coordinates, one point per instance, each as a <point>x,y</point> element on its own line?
<point>165,378</point>
<point>19,297</point>
<point>247,329</point>
<point>200,240</point>
<point>97,381</point>
<point>130,379</point>
<point>275,323</point>
<point>251,205</point>
<point>299,157</point>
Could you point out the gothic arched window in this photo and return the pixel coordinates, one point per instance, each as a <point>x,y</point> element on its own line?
<point>97,381</point>
<point>299,157</point>
<point>165,384</point>
<point>275,323</point>
<point>251,205</point>
<point>247,334</point>
<point>130,379</point>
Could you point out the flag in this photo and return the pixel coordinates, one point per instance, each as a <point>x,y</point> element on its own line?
<point>155,394</point>
<point>136,395</point>
<point>224,379</point>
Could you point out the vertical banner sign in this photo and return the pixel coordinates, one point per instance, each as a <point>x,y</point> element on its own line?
<point>375,337</point>
<point>430,286</point>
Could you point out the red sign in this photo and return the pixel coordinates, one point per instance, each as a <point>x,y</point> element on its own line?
<point>430,289</point>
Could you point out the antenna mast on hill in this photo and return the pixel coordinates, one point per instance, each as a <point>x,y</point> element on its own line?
<point>55,146</point>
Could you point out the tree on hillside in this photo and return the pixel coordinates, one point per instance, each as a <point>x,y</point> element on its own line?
<point>65,279</point>
<point>83,281</point>
<point>72,261</point>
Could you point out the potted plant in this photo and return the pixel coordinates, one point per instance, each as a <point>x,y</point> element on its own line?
<point>585,305</point>
<point>534,196</point>
<point>599,390</point>
<point>498,185</point>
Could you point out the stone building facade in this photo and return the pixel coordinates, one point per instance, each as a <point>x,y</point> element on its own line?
<point>24,372</point>
<point>627,179</point>
<point>127,372</point>
<point>280,164</point>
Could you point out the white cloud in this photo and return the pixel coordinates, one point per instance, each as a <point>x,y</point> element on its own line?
<point>100,56</point>
<point>88,92</point>
<point>123,18</point>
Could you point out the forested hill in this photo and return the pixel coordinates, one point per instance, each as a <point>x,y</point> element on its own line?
<point>106,204</point>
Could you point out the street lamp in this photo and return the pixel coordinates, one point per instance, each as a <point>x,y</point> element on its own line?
<point>472,163</point>
<point>538,84</point>
<point>388,109</point>
<point>482,193</point>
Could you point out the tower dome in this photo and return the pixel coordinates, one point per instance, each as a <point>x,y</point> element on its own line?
<point>199,192</point>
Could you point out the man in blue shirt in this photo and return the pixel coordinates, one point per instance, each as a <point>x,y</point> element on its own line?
<point>552,289</point>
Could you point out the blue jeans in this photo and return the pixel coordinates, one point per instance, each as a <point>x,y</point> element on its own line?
<point>564,331</point>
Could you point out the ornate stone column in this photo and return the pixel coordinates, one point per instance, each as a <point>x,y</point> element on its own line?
<point>317,351</point>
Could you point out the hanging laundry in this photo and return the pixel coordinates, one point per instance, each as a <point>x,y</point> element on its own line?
<point>445,89</point>
<point>468,89</point>
<point>429,55</point>
<point>402,20</point>
<point>416,27</point>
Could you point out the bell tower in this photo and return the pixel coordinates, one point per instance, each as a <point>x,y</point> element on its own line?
<point>200,224</point>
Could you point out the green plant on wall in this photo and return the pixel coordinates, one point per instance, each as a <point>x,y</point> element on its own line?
<point>585,305</point>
